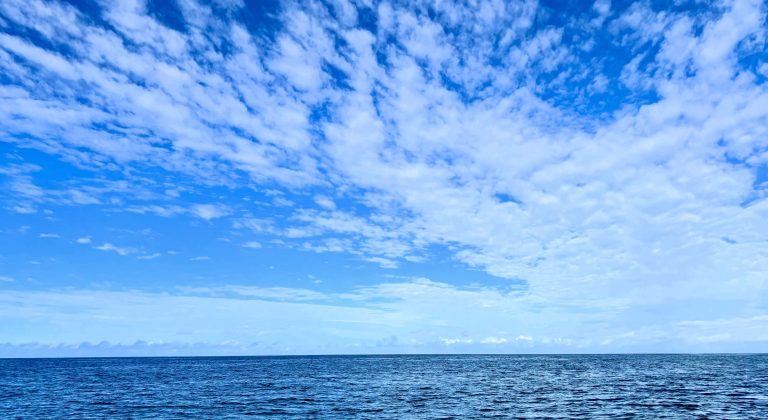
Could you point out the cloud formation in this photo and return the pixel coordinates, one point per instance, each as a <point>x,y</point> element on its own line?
<point>413,316</point>
<point>612,158</point>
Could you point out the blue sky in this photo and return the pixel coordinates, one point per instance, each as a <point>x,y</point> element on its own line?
<point>229,177</point>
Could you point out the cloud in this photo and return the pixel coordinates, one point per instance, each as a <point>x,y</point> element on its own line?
<point>49,235</point>
<point>136,349</point>
<point>252,244</point>
<point>203,211</point>
<point>7,278</point>
<point>302,319</point>
<point>200,258</point>
<point>149,256</point>
<point>425,315</point>
<point>209,211</point>
<point>494,340</point>
<point>112,248</point>
<point>725,330</point>
<point>613,159</point>
<point>453,341</point>
<point>383,262</point>
<point>22,209</point>
<point>270,293</point>
<point>325,202</point>
<point>84,240</point>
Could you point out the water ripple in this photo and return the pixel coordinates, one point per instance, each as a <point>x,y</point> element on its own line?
<point>416,387</point>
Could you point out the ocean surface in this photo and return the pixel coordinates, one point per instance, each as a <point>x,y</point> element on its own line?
<point>462,387</point>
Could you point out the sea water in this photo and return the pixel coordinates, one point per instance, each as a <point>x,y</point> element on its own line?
<point>428,386</point>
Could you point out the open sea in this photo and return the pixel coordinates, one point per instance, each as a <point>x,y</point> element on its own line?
<point>399,387</point>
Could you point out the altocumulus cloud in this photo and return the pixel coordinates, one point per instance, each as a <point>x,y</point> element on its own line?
<point>614,158</point>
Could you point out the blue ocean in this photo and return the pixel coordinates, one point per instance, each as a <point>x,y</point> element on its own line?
<point>424,386</point>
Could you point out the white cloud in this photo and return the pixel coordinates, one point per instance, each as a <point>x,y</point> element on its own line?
<point>473,134</point>
<point>602,7</point>
<point>203,211</point>
<point>424,315</point>
<point>452,341</point>
<point>382,262</point>
<point>252,244</point>
<point>162,211</point>
<point>24,209</point>
<point>84,240</point>
<point>325,202</point>
<point>200,258</point>
<point>494,340</point>
<point>282,202</point>
<point>112,248</point>
<point>210,211</point>
<point>7,278</point>
<point>49,235</point>
<point>149,256</point>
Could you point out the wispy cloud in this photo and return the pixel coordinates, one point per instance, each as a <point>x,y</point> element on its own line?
<point>203,211</point>
<point>116,249</point>
<point>149,256</point>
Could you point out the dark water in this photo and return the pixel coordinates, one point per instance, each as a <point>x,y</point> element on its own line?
<point>606,386</point>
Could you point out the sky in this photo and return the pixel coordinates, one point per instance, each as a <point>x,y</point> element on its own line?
<point>321,177</point>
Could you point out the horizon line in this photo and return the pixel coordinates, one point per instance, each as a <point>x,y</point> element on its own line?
<point>329,355</point>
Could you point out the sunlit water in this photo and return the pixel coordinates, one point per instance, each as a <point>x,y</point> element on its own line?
<point>606,386</point>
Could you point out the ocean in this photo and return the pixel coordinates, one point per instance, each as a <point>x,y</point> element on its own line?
<point>396,387</point>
